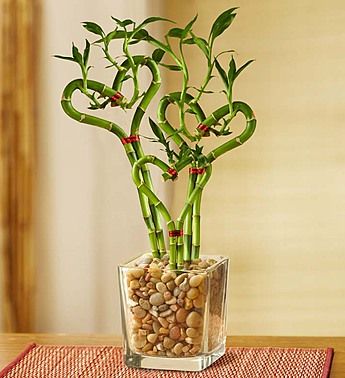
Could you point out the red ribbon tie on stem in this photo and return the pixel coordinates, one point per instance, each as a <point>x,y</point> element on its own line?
<point>196,171</point>
<point>173,173</point>
<point>205,130</point>
<point>130,139</point>
<point>116,99</point>
<point>175,233</point>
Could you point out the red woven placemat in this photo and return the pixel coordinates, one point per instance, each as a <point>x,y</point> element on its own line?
<point>52,361</point>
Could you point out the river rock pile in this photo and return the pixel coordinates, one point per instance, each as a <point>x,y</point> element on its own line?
<point>167,309</point>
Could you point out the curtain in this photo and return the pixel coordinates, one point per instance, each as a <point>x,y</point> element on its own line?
<point>19,26</point>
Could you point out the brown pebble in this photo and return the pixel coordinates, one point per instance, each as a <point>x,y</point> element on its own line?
<point>188,304</point>
<point>184,286</point>
<point>199,302</point>
<point>134,284</point>
<point>178,348</point>
<point>167,296</point>
<point>166,277</point>
<point>168,343</point>
<point>152,337</point>
<point>171,318</point>
<point>181,315</point>
<point>139,312</point>
<point>139,341</point>
<point>194,320</point>
<point>192,293</point>
<point>147,347</point>
<point>163,322</point>
<point>171,285</point>
<point>144,303</point>
<point>166,313</point>
<point>192,332</point>
<point>171,301</point>
<point>156,326</point>
<point>163,331</point>
<point>179,279</point>
<point>137,273</point>
<point>175,333</point>
<point>174,307</point>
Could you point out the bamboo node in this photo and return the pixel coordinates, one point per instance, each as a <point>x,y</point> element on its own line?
<point>238,140</point>
<point>82,117</point>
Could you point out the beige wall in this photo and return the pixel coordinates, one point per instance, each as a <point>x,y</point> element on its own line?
<point>276,206</point>
<point>88,219</point>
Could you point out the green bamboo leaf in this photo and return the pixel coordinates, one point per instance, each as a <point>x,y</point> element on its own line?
<point>76,55</point>
<point>232,70</point>
<point>64,57</point>
<point>188,27</point>
<point>86,52</point>
<point>222,73</point>
<point>171,67</point>
<point>154,19</point>
<point>202,44</point>
<point>245,65</point>
<point>156,130</point>
<point>222,23</point>
<point>176,33</point>
<point>93,28</point>
<point>157,55</point>
<point>157,43</point>
<point>123,23</point>
<point>110,36</point>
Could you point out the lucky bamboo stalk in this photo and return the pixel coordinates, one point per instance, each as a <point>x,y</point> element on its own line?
<point>183,147</point>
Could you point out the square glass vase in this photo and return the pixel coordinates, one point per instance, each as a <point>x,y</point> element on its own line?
<point>174,319</point>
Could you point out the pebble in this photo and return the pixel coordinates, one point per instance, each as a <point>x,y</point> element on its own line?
<point>163,307</point>
<point>181,315</point>
<point>179,279</point>
<point>144,303</point>
<point>139,341</point>
<point>175,333</point>
<point>168,343</point>
<point>139,312</point>
<point>193,293</point>
<point>164,323</point>
<point>152,338</point>
<point>166,277</point>
<point>156,326</point>
<point>178,348</point>
<point>192,332</point>
<point>177,291</point>
<point>137,273</point>
<point>156,299</point>
<point>171,285</point>
<point>199,302</point>
<point>161,287</point>
<point>194,320</point>
<point>171,301</point>
<point>167,296</point>
<point>166,313</point>
<point>184,286</point>
<point>134,284</point>
<point>147,347</point>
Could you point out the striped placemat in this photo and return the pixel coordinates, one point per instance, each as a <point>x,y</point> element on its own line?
<point>53,361</point>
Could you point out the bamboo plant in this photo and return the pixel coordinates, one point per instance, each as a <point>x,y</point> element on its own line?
<point>183,148</point>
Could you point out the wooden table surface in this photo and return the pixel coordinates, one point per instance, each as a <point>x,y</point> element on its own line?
<point>12,344</point>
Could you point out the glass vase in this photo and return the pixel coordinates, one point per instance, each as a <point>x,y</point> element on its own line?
<point>173,319</point>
